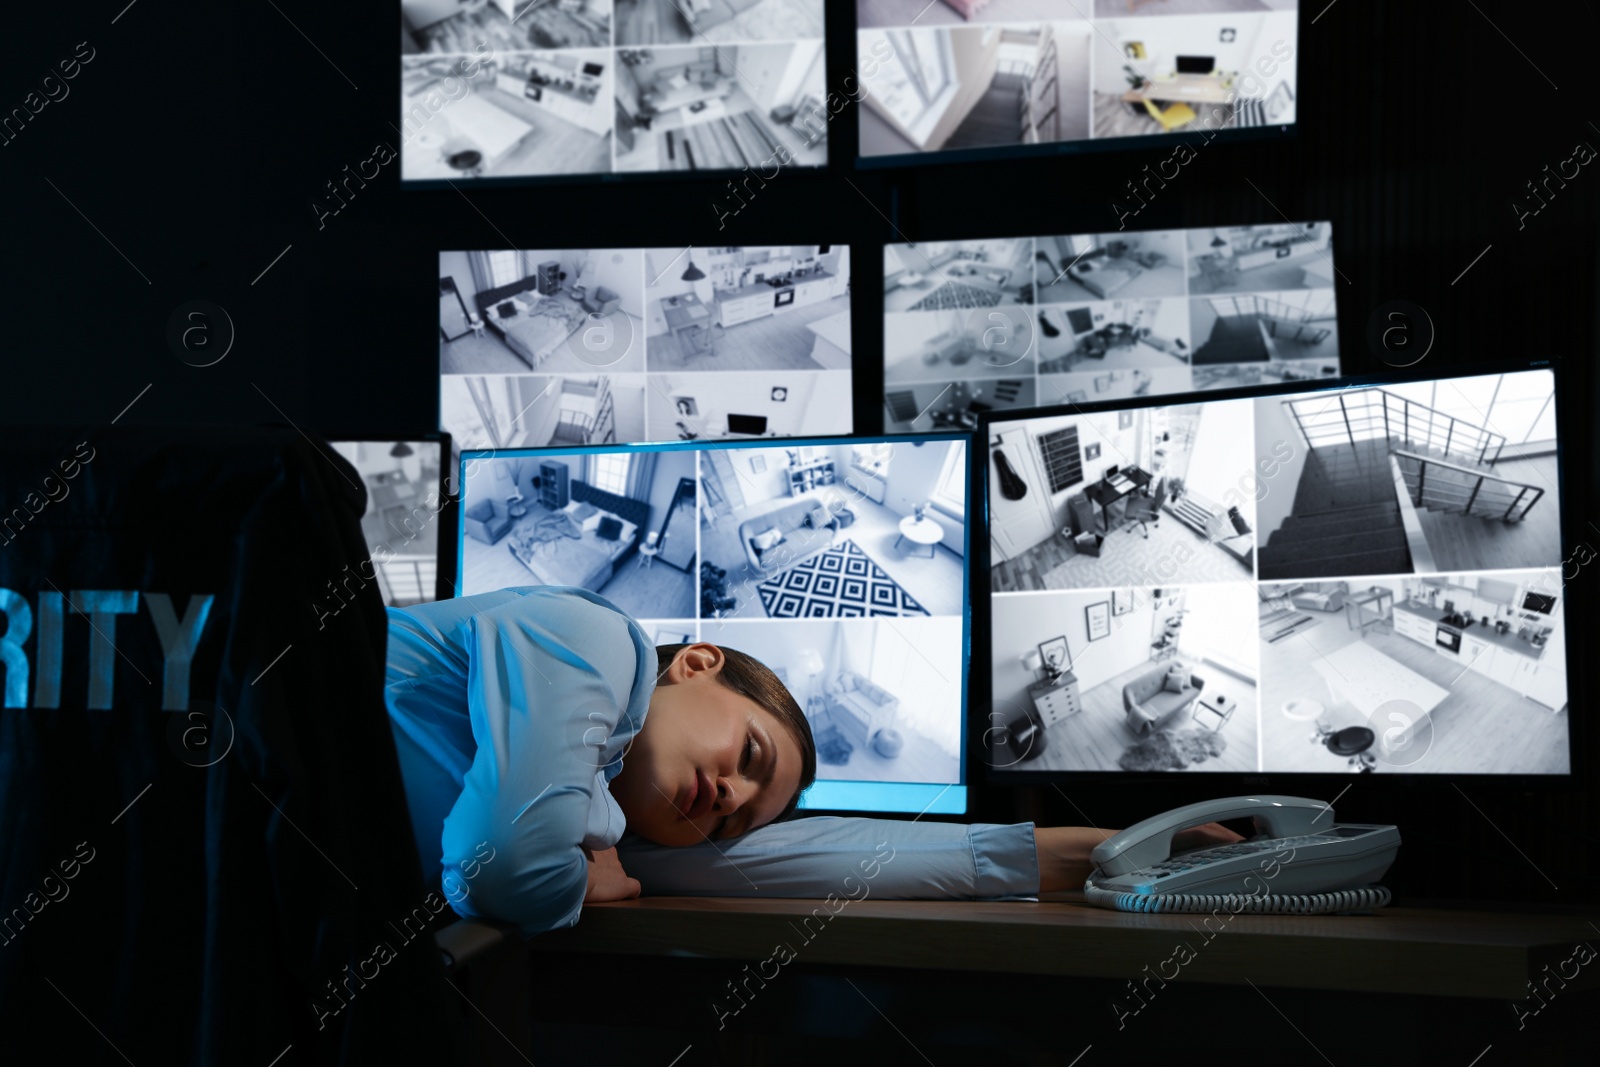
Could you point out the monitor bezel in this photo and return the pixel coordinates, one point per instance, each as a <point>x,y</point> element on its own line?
<point>957,810</point>
<point>681,253</point>
<point>835,157</point>
<point>1290,781</point>
<point>1036,234</point>
<point>1088,145</point>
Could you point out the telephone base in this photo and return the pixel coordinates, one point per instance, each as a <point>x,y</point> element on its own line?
<point>1338,902</point>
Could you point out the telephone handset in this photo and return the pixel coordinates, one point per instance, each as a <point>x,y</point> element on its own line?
<point>1302,862</point>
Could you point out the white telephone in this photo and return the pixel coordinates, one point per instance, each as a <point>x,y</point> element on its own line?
<point>1302,863</point>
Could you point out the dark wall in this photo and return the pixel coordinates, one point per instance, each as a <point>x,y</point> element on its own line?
<point>186,159</point>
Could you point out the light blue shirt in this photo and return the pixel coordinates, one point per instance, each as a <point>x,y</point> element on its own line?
<point>511,711</point>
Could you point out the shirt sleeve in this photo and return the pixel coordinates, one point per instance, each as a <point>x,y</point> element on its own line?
<point>890,859</point>
<point>557,687</point>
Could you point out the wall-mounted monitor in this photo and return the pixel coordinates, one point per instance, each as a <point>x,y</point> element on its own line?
<point>510,90</point>
<point>842,564</point>
<point>969,79</point>
<point>544,348</point>
<point>989,325</point>
<point>1289,580</point>
<point>409,499</point>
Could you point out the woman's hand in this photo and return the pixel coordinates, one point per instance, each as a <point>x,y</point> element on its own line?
<point>1064,850</point>
<point>607,879</point>
<point>1212,833</point>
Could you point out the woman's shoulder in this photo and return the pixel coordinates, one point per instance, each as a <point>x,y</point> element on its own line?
<point>578,605</point>
<point>588,629</point>
<point>589,624</point>
<point>541,606</point>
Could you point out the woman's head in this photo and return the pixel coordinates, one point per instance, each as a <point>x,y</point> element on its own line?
<point>724,749</point>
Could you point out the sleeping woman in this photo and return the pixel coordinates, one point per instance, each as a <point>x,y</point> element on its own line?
<point>539,722</point>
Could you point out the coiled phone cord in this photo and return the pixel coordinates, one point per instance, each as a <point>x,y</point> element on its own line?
<point>1374,896</point>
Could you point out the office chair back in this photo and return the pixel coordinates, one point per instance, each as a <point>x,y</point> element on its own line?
<point>206,838</point>
<point>1146,511</point>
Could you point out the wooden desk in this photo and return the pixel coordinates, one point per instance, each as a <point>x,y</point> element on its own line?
<point>1051,978</point>
<point>1406,951</point>
<point>1187,88</point>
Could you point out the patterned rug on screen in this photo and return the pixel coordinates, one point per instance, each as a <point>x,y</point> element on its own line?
<point>956,295</point>
<point>839,583</point>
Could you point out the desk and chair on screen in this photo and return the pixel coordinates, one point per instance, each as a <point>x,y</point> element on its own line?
<point>1109,498</point>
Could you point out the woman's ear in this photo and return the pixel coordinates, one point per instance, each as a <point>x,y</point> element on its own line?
<point>696,660</point>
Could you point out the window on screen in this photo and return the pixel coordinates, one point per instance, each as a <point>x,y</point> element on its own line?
<point>915,77</point>
<point>505,268</point>
<point>610,473</point>
<point>950,492</point>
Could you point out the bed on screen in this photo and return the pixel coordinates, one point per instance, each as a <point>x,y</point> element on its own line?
<point>579,545</point>
<point>534,330</point>
<point>531,324</point>
<point>1103,279</point>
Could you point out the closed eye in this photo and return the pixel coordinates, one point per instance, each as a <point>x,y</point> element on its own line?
<point>746,756</point>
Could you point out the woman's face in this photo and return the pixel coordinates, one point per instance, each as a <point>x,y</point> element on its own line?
<point>708,762</point>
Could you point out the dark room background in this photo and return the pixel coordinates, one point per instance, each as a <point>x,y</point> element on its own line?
<point>189,157</point>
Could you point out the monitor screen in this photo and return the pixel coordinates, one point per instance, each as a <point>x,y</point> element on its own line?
<point>1014,322</point>
<point>750,425</point>
<point>551,347</point>
<point>511,91</point>
<point>1281,581</point>
<point>960,80</point>
<point>839,563</point>
<point>407,503</point>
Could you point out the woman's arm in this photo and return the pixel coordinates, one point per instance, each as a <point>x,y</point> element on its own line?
<point>552,696</point>
<point>890,859</point>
